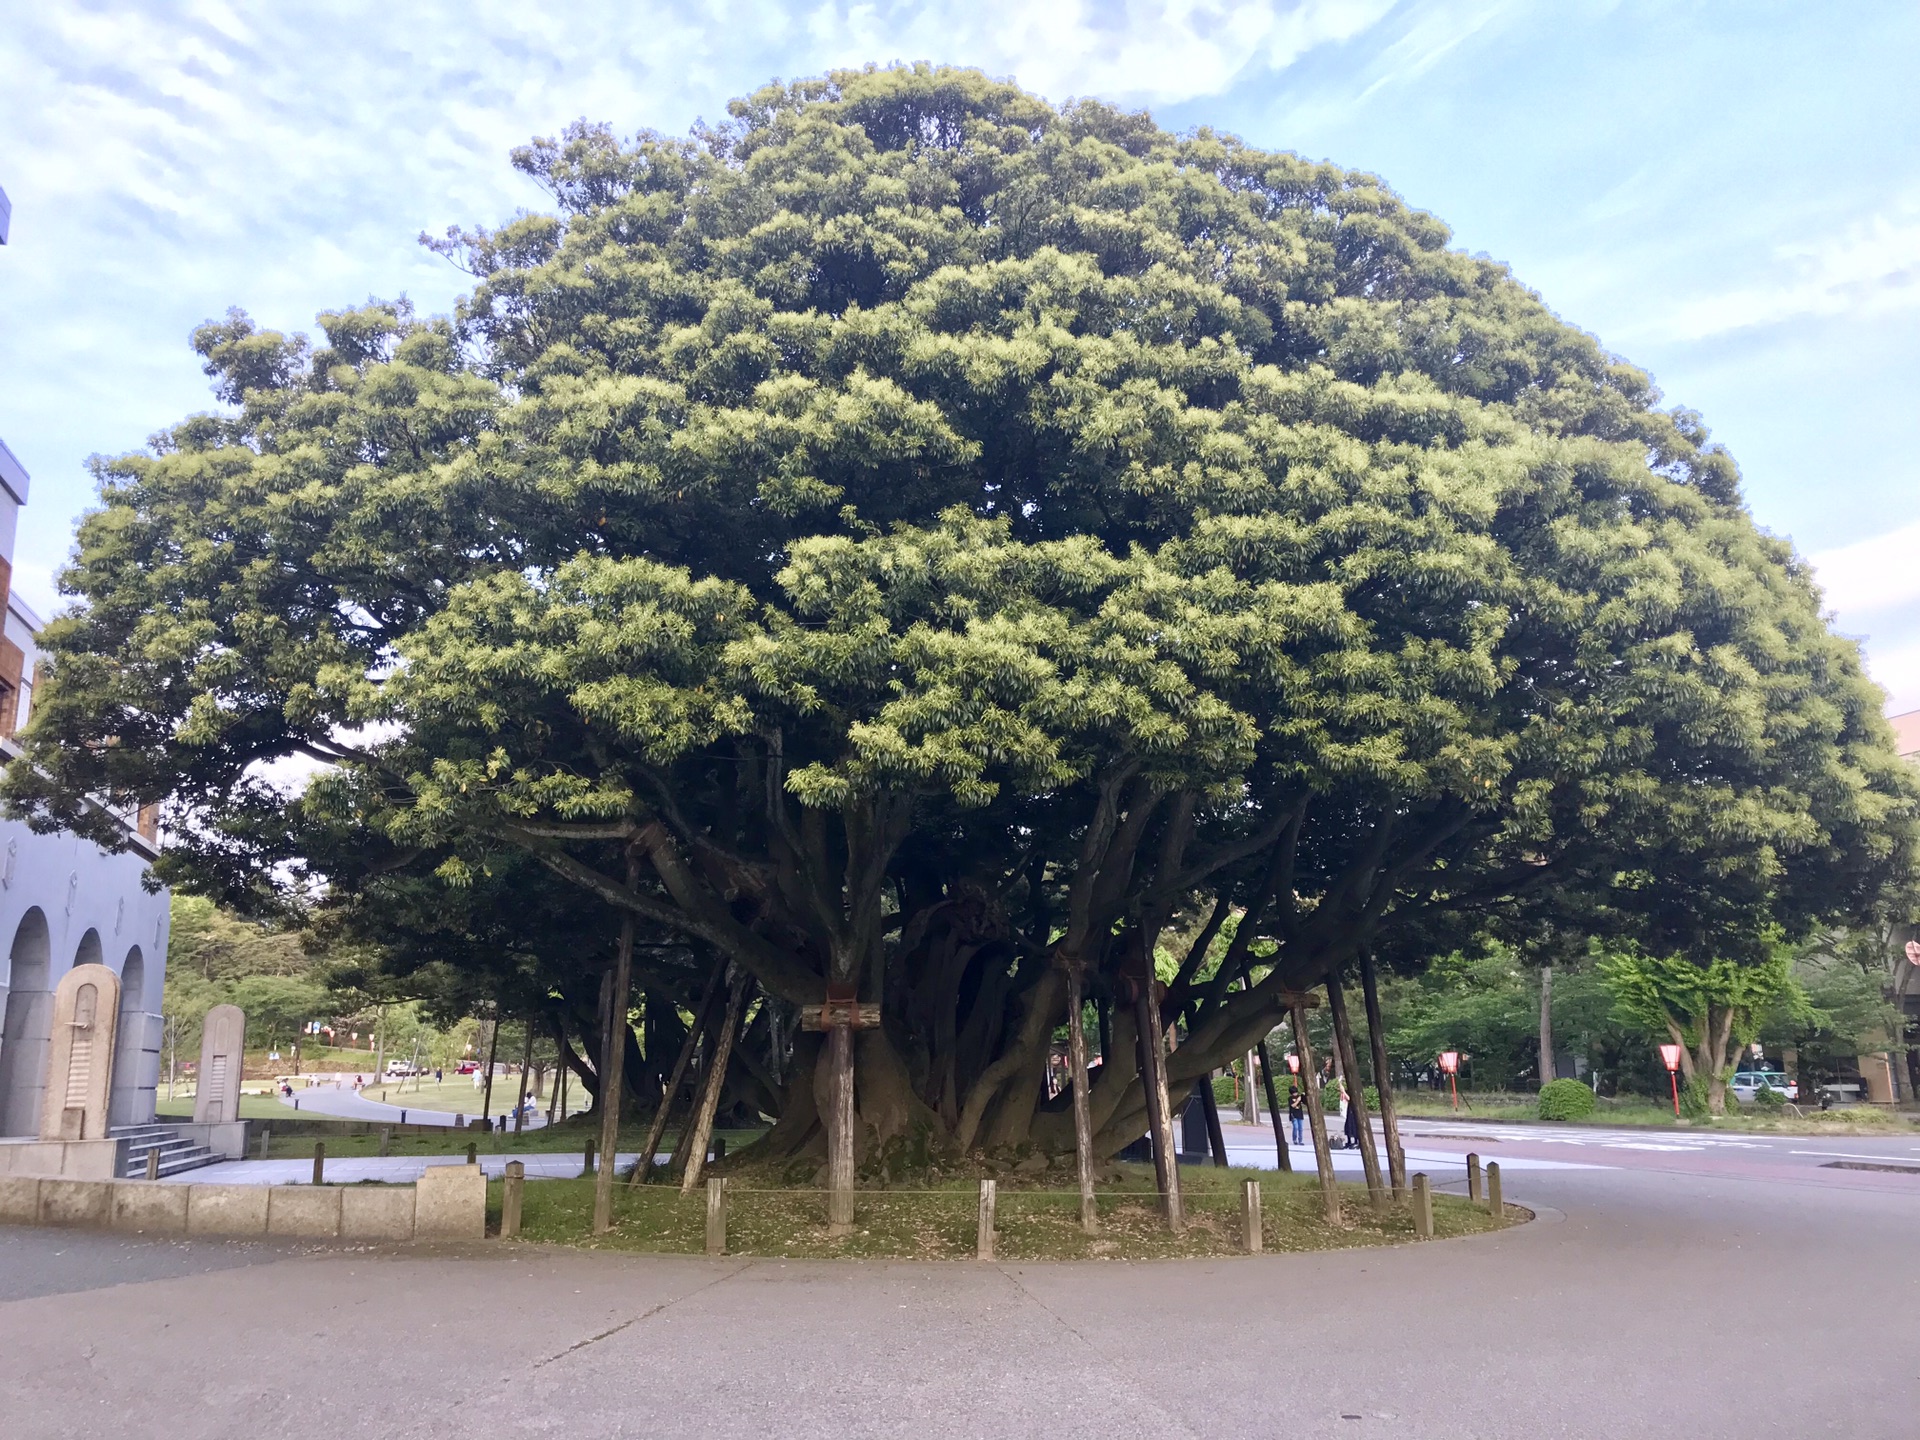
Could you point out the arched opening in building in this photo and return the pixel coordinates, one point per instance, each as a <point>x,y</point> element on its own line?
<point>25,1032</point>
<point>89,952</point>
<point>130,1102</point>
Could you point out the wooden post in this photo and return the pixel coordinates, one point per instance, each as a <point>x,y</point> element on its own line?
<point>1383,1076</point>
<point>983,1238</point>
<point>613,1065</point>
<point>1153,1075</point>
<point>153,1163</point>
<point>319,1160</point>
<point>1082,1114</point>
<point>658,1129</point>
<point>510,1198</point>
<point>1495,1206</point>
<point>587,1169</point>
<point>716,1216</point>
<point>1316,1114</point>
<point>1473,1176</point>
<point>1356,1092</point>
<point>1422,1207</point>
<point>700,1123</point>
<point>1276,1112</point>
<point>266,1139</point>
<point>526,1064</point>
<point>1250,1227</point>
<point>1251,1106</point>
<point>840,1126</point>
<point>386,1140</point>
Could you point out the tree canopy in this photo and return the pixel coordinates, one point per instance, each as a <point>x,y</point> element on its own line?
<point>910,536</point>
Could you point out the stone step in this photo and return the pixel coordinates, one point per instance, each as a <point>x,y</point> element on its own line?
<point>176,1152</point>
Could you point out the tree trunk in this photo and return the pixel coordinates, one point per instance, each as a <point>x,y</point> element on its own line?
<point>1153,1075</point>
<point>1546,1024</point>
<point>1356,1091</point>
<point>1383,1076</point>
<point>700,1123</point>
<point>1082,1119</point>
<point>1316,1115</point>
<point>613,1063</point>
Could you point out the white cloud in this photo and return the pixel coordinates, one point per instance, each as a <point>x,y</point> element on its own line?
<point>1868,270</point>
<point>1874,574</point>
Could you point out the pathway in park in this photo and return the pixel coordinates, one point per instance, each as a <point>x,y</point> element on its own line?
<point>341,1101</point>
<point>1709,1292</point>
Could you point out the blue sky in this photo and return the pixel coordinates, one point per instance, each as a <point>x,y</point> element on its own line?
<point>1727,194</point>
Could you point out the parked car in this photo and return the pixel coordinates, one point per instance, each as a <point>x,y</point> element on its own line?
<point>466,1067</point>
<point>1748,1083</point>
<point>397,1069</point>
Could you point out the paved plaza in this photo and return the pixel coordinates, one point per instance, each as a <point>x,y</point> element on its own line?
<point>1711,1291</point>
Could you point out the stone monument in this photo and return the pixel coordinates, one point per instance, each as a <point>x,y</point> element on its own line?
<point>223,1039</point>
<point>86,1010</point>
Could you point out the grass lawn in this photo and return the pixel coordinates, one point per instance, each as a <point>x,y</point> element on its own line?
<point>445,1140</point>
<point>1636,1110</point>
<point>252,1107</point>
<point>456,1094</point>
<point>939,1224</point>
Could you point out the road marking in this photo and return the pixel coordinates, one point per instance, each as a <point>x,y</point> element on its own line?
<point>1838,1154</point>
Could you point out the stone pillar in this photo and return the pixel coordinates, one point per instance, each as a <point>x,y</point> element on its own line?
<point>86,1011</point>
<point>223,1040</point>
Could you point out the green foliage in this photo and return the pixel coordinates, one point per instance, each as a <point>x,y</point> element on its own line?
<point>1565,1100</point>
<point>215,958</point>
<point>1696,1101</point>
<point>910,519</point>
<point>1768,1098</point>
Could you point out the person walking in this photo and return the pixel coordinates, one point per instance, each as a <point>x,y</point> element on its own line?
<point>1297,1112</point>
<point>1353,1120</point>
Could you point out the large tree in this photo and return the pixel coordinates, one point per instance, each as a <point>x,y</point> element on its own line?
<point>910,540</point>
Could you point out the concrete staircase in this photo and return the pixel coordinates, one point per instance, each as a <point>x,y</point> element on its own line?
<point>176,1153</point>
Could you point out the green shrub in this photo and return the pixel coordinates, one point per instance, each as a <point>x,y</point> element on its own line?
<point>1373,1099</point>
<point>1223,1090</point>
<point>1768,1098</point>
<point>1565,1100</point>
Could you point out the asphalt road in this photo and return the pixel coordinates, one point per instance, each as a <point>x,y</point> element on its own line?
<point>1702,1292</point>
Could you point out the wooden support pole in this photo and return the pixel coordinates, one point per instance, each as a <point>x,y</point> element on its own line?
<point>1210,1109</point>
<point>983,1236</point>
<point>153,1163</point>
<point>1383,1075</point>
<point>1356,1092</point>
<point>1250,1226</point>
<point>656,1131</point>
<point>1153,1075</point>
<point>839,1119</point>
<point>266,1140</point>
<point>1496,1207</point>
<point>717,1216</point>
<point>587,1169</point>
<point>511,1196</point>
<point>319,1161</point>
<point>613,1065</point>
<point>526,1065</point>
<point>493,1049</point>
<point>1082,1113</point>
<point>1316,1114</point>
<point>473,1153</point>
<point>1422,1207</point>
<point>1276,1112</point>
<point>386,1141</point>
<point>700,1123</point>
<point>1473,1177</point>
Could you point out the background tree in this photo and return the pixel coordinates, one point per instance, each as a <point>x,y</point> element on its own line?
<point>931,537</point>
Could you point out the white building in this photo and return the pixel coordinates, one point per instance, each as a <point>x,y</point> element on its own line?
<point>64,901</point>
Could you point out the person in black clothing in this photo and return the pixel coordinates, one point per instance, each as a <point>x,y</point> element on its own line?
<point>1297,1112</point>
<point>1353,1125</point>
